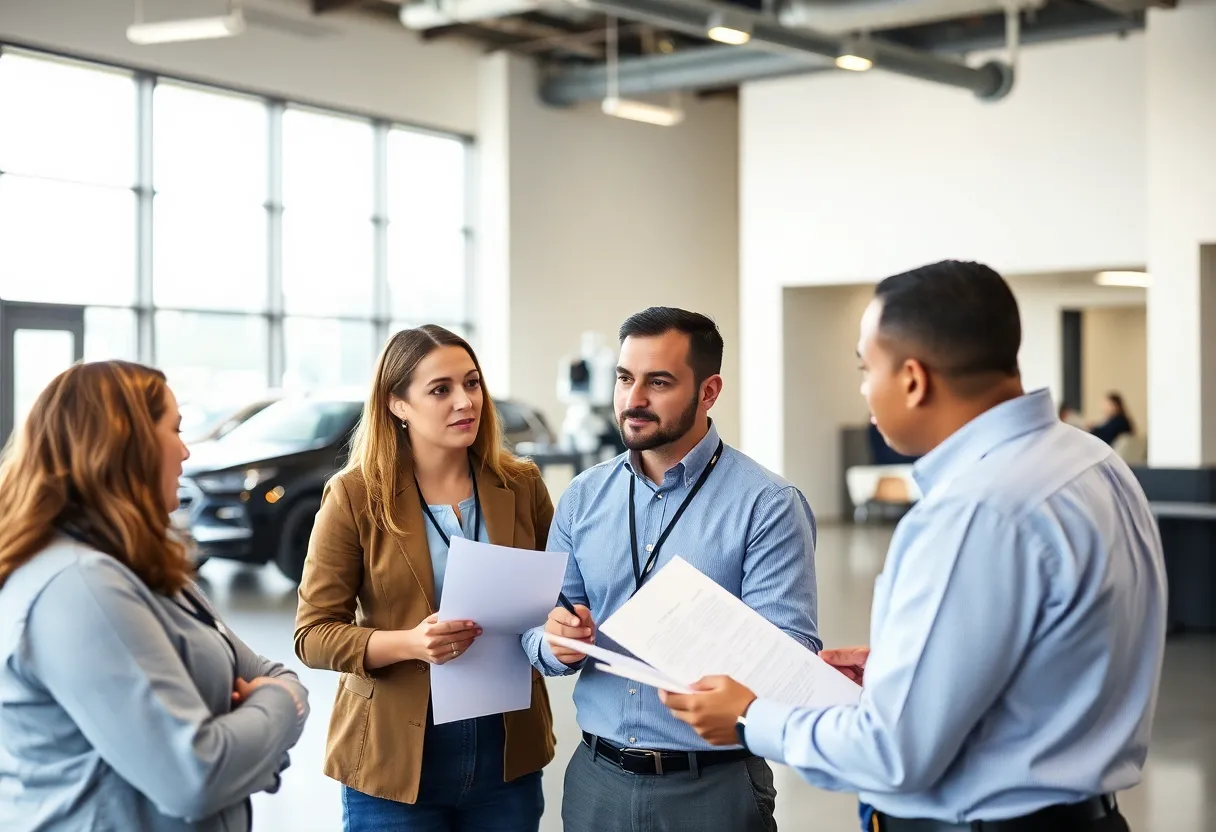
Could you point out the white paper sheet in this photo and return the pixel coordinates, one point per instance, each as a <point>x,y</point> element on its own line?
<point>687,627</point>
<point>621,665</point>
<point>506,592</point>
<point>655,680</point>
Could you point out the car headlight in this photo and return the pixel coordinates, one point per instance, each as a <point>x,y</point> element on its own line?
<point>233,481</point>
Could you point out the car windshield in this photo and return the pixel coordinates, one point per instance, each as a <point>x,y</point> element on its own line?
<point>297,422</point>
<point>197,417</point>
<point>512,416</point>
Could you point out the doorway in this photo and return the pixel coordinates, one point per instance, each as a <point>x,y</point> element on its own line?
<point>37,342</point>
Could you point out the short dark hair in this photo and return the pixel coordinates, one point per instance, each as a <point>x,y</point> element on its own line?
<point>704,339</point>
<point>960,319</point>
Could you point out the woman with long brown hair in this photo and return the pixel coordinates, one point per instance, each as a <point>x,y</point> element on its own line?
<point>124,702</point>
<point>427,464</point>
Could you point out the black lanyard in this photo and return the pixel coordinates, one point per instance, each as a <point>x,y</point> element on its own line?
<point>640,572</point>
<point>199,612</point>
<point>447,541</point>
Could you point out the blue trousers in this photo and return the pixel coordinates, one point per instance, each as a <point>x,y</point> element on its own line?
<point>462,788</point>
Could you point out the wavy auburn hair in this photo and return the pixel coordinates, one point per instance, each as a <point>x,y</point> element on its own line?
<point>380,449</point>
<point>88,461</point>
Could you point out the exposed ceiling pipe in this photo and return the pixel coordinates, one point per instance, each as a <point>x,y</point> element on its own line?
<point>991,81</point>
<point>720,66</point>
<point>847,16</point>
<point>696,68</point>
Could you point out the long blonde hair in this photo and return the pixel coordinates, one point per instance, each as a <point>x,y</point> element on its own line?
<point>380,449</point>
<point>87,460</point>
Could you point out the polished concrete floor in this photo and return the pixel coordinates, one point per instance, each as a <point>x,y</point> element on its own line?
<point>1178,793</point>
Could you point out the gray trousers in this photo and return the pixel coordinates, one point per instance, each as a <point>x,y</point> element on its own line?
<point>731,797</point>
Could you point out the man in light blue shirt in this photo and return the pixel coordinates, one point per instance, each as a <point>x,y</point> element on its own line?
<point>679,491</point>
<point>1019,623</point>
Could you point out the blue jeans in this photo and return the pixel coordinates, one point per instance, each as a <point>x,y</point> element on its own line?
<point>462,789</point>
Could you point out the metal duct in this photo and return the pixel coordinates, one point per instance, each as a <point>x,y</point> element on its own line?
<point>703,66</point>
<point>990,81</point>
<point>848,16</point>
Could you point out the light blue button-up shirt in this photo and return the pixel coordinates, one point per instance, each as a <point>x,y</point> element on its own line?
<point>747,529</point>
<point>453,527</point>
<point>1016,636</point>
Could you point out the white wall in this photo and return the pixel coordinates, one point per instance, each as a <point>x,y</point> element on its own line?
<point>857,176</point>
<point>821,380</point>
<point>1181,165</point>
<point>340,60</point>
<point>1114,347</point>
<point>848,178</point>
<point>822,387</point>
<point>606,217</point>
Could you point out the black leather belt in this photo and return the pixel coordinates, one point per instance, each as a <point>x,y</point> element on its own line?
<point>1062,817</point>
<point>644,761</point>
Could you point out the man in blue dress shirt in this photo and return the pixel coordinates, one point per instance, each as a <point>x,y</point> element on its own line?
<point>1019,623</point>
<point>678,491</point>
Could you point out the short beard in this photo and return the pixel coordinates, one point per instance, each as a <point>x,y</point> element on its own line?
<point>664,435</point>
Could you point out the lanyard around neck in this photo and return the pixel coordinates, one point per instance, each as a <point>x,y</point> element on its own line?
<point>199,612</point>
<point>426,509</point>
<point>640,572</point>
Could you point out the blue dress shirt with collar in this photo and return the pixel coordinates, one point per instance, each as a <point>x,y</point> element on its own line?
<point>747,529</point>
<point>1017,634</point>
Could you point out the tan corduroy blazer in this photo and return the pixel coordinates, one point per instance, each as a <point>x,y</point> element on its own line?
<point>358,579</point>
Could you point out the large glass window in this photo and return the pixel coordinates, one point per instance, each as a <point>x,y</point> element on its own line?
<point>67,159</point>
<point>65,121</point>
<point>61,242</point>
<point>240,244</point>
<point>205,354</point>
<point>210,156</point>
<point>328,353</point>
<point>328,205</point>
<point>427,235</point>
<point>110,333</point>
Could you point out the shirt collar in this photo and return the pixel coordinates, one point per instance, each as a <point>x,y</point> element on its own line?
<point>693,463</point>
<point>983,434</point>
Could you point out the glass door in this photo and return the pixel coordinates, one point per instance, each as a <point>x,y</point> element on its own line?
<point>37,342</point>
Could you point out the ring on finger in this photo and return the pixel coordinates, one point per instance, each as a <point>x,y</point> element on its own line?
<point>455,649</point>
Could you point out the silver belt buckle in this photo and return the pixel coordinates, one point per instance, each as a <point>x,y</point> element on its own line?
<point>658,761</point>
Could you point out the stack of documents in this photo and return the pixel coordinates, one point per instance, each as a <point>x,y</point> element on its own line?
<point>682,626</point>
<point>506,592</point>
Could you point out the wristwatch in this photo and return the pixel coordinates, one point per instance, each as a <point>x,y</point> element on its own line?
<point>740,729</point>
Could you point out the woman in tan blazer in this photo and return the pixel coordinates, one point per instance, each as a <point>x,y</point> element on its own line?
<point>427,464</point>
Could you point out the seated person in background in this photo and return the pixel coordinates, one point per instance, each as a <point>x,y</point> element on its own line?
<point>1117,421</point>
<point>125,704</point>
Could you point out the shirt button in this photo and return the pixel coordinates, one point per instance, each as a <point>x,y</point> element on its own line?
<point>658,496</point>
<point>632,691</point>
<point>633,739</point>
<point>649,547</point>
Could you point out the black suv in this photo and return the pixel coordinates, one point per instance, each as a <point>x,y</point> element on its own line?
<point>252,494</point>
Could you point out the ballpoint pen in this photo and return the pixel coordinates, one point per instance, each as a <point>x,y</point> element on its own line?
<point>565,602</point>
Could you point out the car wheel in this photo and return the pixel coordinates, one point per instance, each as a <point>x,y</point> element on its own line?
<point>293,544</point>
